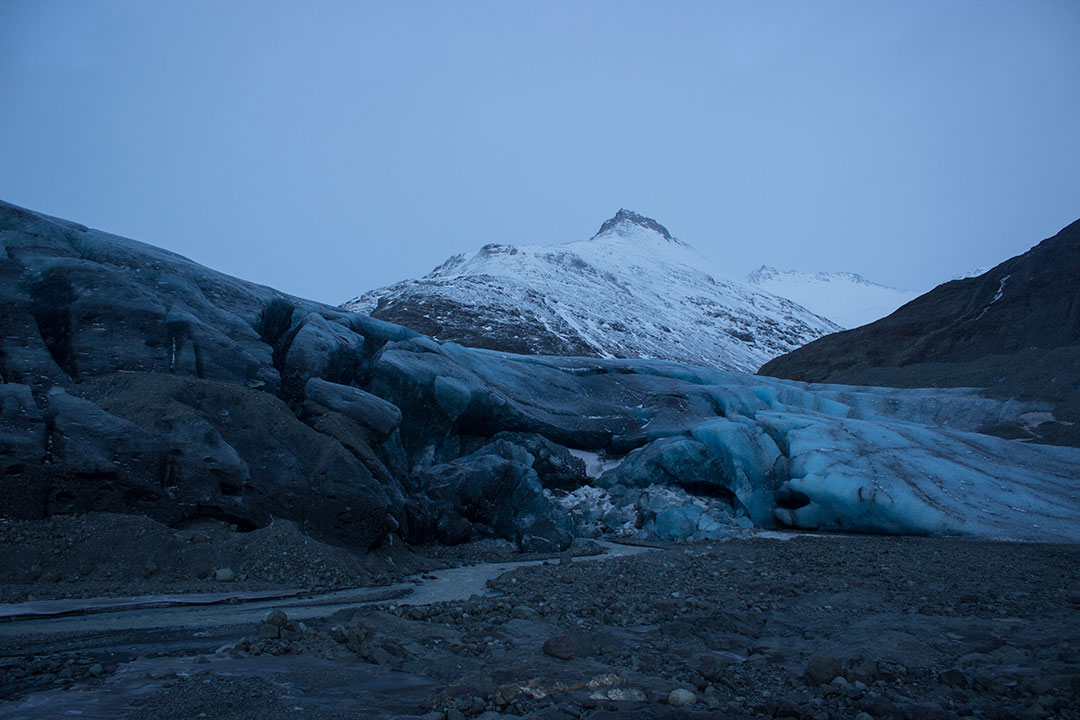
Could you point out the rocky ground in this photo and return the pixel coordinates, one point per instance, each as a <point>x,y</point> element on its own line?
<point>102,554</point>
<point>812,627</point>
<point>109,555</point>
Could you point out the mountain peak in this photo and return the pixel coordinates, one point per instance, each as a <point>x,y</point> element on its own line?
<point>625,218</point>
<point>765,272</point>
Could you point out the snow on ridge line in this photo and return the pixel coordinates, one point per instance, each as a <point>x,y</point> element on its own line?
<point>631,290</point>
<point>848,299</point>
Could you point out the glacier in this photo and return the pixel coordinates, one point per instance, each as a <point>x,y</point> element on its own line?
<point>732,450</point>
<point>134,380</point>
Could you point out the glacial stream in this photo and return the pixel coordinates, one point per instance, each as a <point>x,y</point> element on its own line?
<point>169,630</point>
<point>206,610</point>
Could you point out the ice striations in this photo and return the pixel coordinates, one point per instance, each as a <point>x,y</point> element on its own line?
<point>631,291</point>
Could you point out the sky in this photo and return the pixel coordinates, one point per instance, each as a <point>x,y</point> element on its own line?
<point>328,148</point>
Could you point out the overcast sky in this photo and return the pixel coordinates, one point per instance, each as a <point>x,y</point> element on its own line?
<point>327,148</point>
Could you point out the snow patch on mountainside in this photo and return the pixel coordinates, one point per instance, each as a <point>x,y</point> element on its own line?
<point>632,290</point>
<point>974,272</point>
<point>848,299</point>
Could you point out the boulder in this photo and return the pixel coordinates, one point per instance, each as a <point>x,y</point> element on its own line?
<point>680,697</point>
<point>821,669</point>
<point>559,646</point>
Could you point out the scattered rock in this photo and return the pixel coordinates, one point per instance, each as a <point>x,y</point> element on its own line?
<point>714,667</point>
<point>954,678</point>
<point>879,707</point>
<point>523,612</point>
<point>380,656</point>
<point>924,711</point>
<point>268,631</point>
<point>821,669</point>
<point>680,697</point>
<point>224,575</point>
<point>506,693</point>
<point>559,646</point>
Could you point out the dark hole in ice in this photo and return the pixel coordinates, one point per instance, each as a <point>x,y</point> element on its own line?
<point>707,489</point>
<point>16,469</point>
<point>791,499</point>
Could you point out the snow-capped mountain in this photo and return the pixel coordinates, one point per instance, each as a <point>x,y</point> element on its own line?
<point>632,290</point>
<point>849,300</point>
<point>974,272</point>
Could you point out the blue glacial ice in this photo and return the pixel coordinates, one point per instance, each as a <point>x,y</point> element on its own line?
<point>728,449</point>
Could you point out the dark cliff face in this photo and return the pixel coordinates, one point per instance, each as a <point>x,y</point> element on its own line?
<point>1014,330</point>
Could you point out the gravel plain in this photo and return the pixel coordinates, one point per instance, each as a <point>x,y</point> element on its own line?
<point>811,627</point>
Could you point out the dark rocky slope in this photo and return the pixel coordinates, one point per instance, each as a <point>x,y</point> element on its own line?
<point>1014,330</point>
<point>136,381</point>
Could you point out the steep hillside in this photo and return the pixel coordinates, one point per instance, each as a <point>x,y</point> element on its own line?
<point>1014,330</point>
